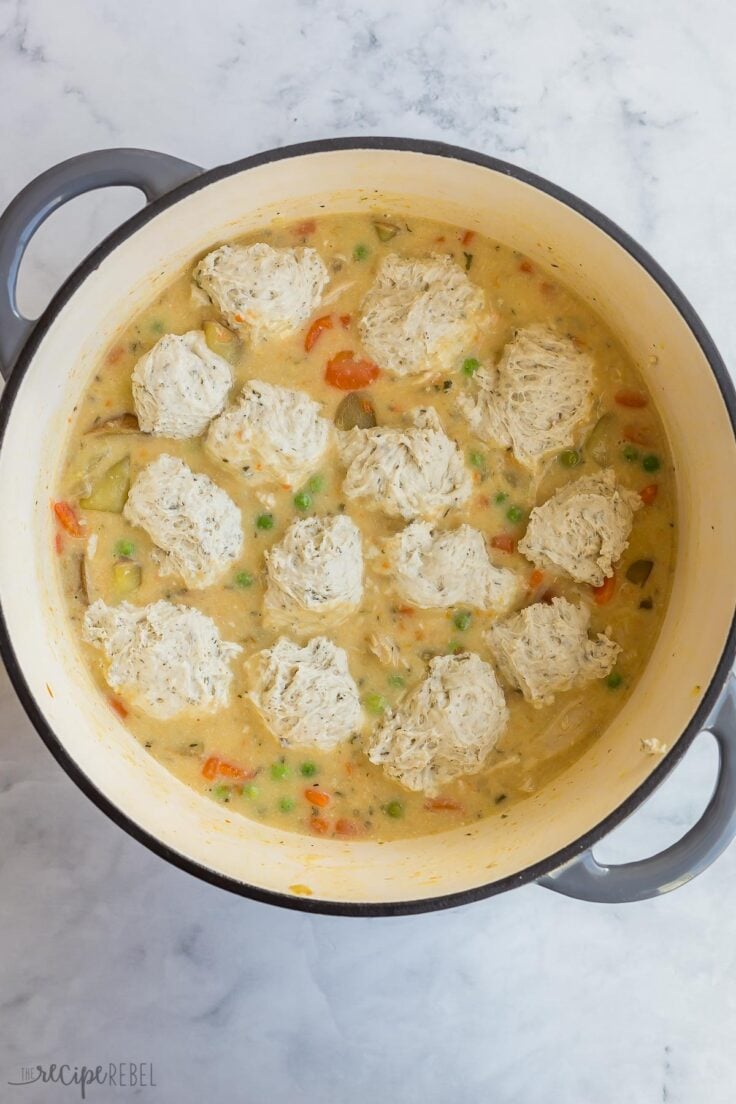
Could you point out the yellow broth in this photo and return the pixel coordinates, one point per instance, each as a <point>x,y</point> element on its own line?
<point>538,743</point>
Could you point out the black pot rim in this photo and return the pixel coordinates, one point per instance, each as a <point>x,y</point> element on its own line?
<point>391,908</point>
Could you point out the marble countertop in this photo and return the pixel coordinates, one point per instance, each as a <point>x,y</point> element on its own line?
<point>109,954</point>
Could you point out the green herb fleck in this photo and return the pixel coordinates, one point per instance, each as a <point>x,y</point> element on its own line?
<point>360,252</point>
<point>375,703</point>
<point>500,497</point>
<point>396,681</point>
<point>454,647</point>
<point>470,366</point>
<point>249,790</point>
<point>221,792</point>
<point>461,619</point>
<point>124,549</point>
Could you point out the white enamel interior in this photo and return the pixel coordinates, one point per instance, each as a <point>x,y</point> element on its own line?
<point>704,594</point>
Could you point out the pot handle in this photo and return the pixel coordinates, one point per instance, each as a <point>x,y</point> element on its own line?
<point>154,173</point>
<point>588,880</point>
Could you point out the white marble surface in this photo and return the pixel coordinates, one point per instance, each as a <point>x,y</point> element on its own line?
<point>108,953</point>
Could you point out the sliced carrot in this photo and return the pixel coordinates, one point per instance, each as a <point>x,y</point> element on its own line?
<point>635,400</point>
<point>604,593</point>
<point>504,541</point>
<point>442,804</point>
<point>59,543</point>
<point>317,797</point>
<point>315,330</point>
<point>345,827</point>
<point>118,706</point>
<point>649,493</point>
<point>467,237</point>
<point>526,266</point>
<point>304,229</point>
<point>348,374</point>
<point>536,579</point>
<point>319,824</point>
<point>345,320</point>
<point>68,519</point>
<point>638,435</point>
<point>214,767</point>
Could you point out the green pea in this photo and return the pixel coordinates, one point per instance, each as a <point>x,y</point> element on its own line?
<point>308,769</point>
<point>461,619</point>
<point>470,366</point>
<point>514,514</point>
<point>249,790</point>
<point>124,549</point>
<point>570,458</point>
<point>614,680</point>
<point>396,681</point>
<point>394,809</point>
<point>360,252</point>
<point>302,500</point>
<point>651,463</point>
<point>454,647</point>
<point>630,453</point>
<point>500,497</point>
<point>244,579</point>
<point>477,459</point>
<point>221,792</point>
<point>279,771</point>
<point>286,804</point>
<point>264,521</point>
<point>316,484</point>
<point>375,703</point>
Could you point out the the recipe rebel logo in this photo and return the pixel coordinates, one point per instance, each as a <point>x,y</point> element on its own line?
<point>115,1075</point>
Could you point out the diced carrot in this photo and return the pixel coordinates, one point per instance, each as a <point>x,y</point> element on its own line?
<point>68,519</point>
<point>345,320</point>
<point>467,237</point>
<point>504,542</point>
<point>348,374</point>
<point>214,767</point>
<point>239,318</point>
<point>319,824</point>
<point>442,804</point>
<point>536,579</point>
<point>526,266</point>
<point>649,493</point>
<point>317,797</point>
<point>118,706</point>
<point>406,611</point>
<point>345,827</point>
<point>304,229</point>
<point>115,354</point>
<point>638,434</point>
<point>635,400</point>
<point>59,544</point>
<point>604,593</point>
<point>318,327</point>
